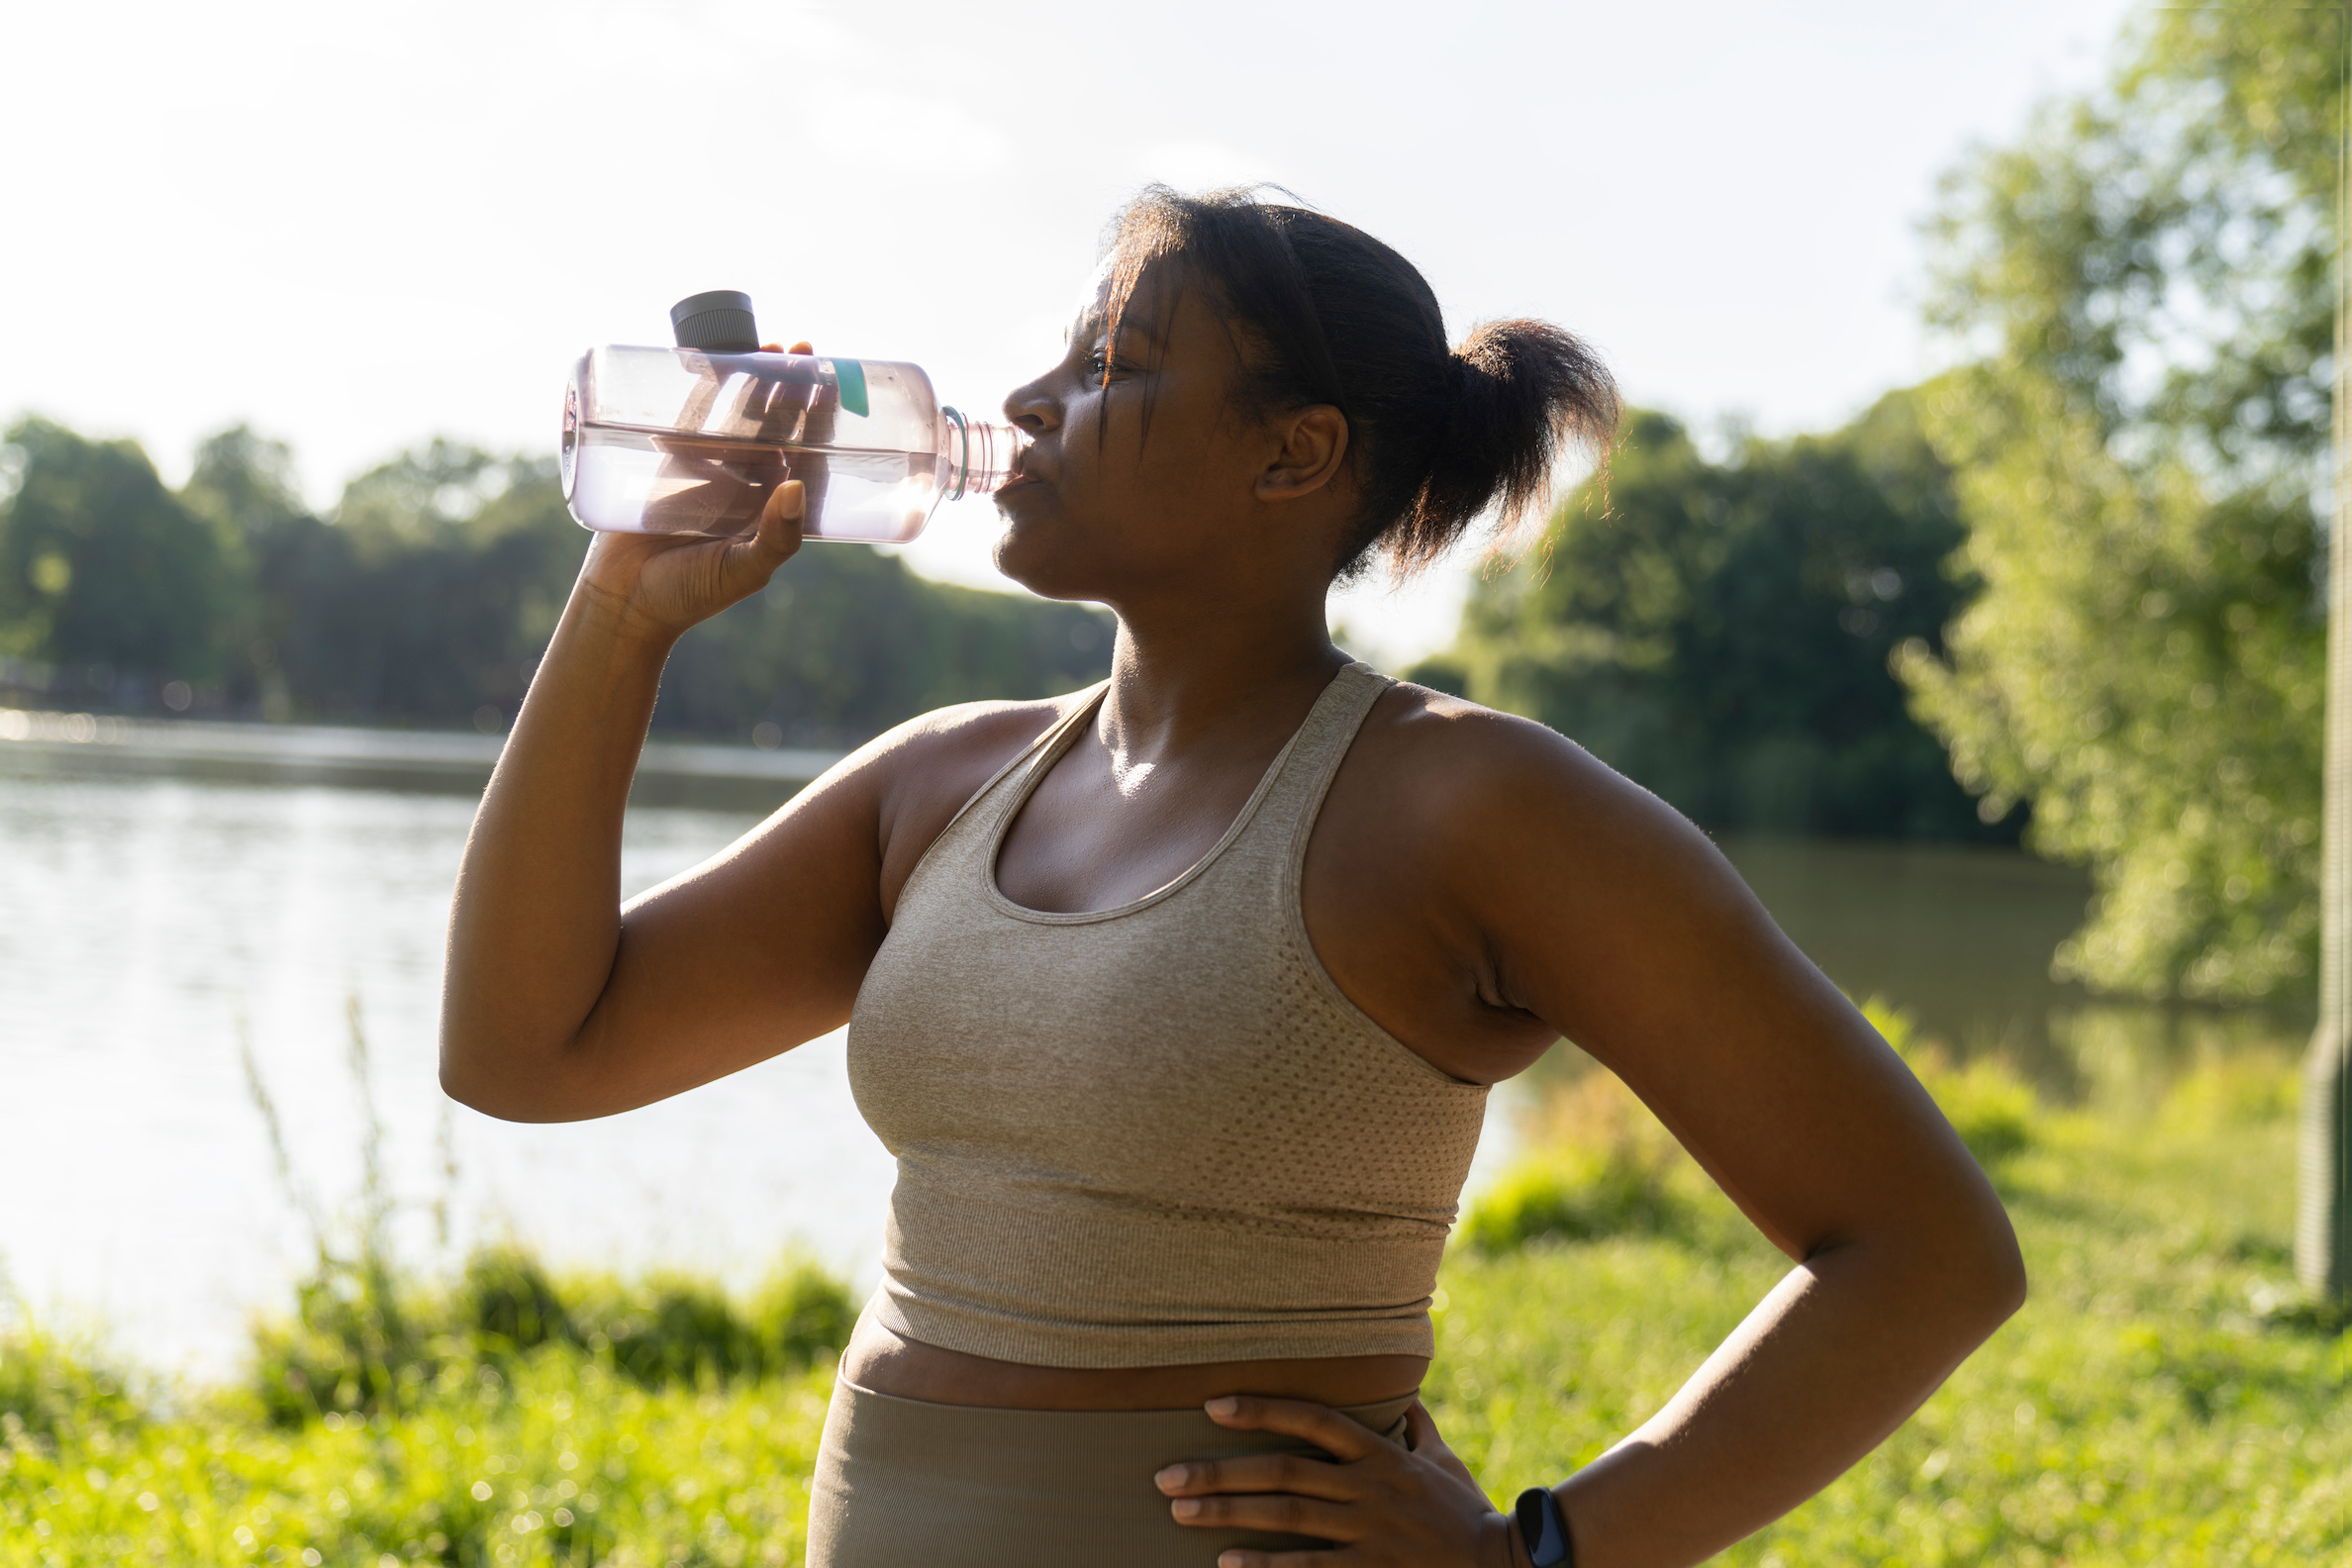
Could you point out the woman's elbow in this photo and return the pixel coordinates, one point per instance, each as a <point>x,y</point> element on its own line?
<point>468,1079</point>
<point>2006,1285</point>
<point>1985,1280</point>
<point>519,1083</point>
<point>464,1083</point>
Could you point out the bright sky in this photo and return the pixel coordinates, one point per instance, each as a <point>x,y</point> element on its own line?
<point>356,227</point>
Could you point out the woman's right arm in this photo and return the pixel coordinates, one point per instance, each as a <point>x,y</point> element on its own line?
<point>557,1004</point>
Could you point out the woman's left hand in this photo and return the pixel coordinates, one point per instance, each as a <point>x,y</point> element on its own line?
<point>1376,1503</point>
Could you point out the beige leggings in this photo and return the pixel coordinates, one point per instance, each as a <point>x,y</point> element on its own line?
<point>902,1483</point>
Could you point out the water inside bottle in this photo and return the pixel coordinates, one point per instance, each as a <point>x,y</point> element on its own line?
<point>674,483</point>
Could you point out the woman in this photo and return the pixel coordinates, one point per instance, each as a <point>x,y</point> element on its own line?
<point>1178,998</point>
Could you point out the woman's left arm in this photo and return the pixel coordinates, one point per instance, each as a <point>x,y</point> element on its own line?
<point>1617,923</point>
<point>1610,917</point>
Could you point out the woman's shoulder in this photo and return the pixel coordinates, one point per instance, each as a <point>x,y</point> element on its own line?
<point>1494,787</point>
<point>1452,752</point>
<point>970,734</point>
<point>922,772</point>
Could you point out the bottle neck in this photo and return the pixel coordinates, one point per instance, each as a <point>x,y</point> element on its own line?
<point>976,457</point>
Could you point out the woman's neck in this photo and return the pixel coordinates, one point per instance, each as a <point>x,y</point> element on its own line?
<point>1179,682</point>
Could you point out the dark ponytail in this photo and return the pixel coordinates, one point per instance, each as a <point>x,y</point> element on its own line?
<point>1330,315</point>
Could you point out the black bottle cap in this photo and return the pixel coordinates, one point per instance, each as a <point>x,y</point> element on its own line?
<point>719,322</point>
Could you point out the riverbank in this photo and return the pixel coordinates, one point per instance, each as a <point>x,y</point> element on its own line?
<point>2158,1399</point>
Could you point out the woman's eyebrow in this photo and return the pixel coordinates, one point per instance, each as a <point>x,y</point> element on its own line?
<point>1143,322</point>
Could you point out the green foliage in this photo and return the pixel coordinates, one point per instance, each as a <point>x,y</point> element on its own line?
<point>1596,1163</point>
<point>1573,1195</point>
<point>52,1389</point>
<point>2145,284</point>
<point>434,597</point>
<point>352,1347</point>
<point>365,1340</point>
<point>801,1313</point>
<point>101,565</point>
<point>668,1329</point>
<point>244,484</point>
<point>506,1300</point>
<point>1720,633</point>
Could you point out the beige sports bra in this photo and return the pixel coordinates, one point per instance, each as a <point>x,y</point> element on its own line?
<point>1159,1133</point>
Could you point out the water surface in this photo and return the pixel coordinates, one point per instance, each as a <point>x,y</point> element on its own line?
<point>1961,938</point>
<point>147,928</point>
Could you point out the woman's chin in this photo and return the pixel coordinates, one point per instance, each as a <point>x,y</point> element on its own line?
<point>1024,552</point>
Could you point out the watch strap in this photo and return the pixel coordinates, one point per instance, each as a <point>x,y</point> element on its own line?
<point>1544,1528</point>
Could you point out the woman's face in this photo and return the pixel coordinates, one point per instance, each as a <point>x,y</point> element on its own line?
<point>1152,480</point>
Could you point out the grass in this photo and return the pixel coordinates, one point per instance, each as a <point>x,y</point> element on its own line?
<point>623,1435</point>
<point>2160,1400</point>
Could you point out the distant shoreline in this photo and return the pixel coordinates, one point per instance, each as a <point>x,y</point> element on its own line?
<point>437,762</point>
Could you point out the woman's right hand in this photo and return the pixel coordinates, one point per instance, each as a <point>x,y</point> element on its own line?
<point>656,585</point>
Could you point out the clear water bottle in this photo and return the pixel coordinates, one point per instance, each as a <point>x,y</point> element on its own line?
<point>690,440</point>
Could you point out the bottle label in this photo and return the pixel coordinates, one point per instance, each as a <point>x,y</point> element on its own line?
<point>849,380</point>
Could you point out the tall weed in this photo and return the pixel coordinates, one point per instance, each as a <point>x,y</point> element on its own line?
<point>371,1339</point>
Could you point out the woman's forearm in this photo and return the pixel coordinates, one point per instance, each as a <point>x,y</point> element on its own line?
<point>535,922</point>
<point>1838,1355</point>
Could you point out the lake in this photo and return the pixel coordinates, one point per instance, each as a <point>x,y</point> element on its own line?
<point>154,928</point>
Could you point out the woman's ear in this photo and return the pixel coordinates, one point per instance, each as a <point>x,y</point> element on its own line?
<point>1314,446</point>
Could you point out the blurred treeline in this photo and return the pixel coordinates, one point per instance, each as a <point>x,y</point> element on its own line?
<point>428,592</point>
<point>1721,631</point>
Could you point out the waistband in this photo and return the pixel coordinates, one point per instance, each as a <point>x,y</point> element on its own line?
<point>902,1481</point>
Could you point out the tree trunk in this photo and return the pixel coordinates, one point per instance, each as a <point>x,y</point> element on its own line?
<point>2323,1216</point>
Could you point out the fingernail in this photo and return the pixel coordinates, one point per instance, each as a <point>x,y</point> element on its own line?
<point>1186,1508</point>
<point>1224,1405</point>
<point>1171,1478</point>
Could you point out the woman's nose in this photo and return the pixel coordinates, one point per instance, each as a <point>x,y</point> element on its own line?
<point>1032,407</point>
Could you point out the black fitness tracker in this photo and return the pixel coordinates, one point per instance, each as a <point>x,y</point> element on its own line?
<point>1544,1529</point>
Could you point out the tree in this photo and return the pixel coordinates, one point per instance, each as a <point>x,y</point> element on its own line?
<point>245,484</point>
<point>102,570</point>
<point>1720,633</point>
<point>434,590</point>
<point>2143,286</point>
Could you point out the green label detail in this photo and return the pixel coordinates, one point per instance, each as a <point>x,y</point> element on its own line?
<point>849,379</point>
